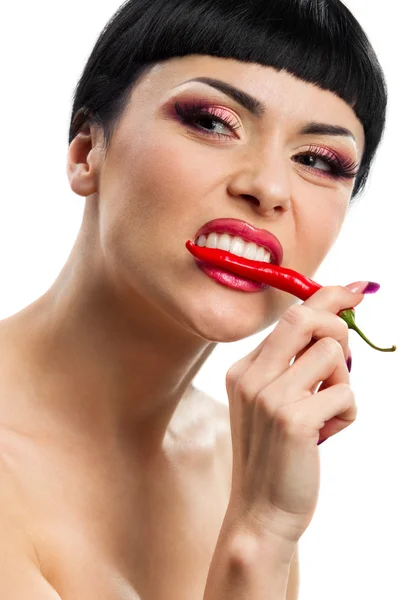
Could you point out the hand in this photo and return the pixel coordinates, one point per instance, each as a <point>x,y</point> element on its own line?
<point>278,411</point>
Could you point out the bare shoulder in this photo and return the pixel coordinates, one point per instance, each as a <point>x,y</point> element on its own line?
<point>14,514</point>
<point>20,574</point>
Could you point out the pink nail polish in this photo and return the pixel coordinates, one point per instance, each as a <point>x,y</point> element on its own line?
<point>363,287</point>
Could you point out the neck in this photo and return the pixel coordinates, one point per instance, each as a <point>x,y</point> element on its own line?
<point>115,365</point>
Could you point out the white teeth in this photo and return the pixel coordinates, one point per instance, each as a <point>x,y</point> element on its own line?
<point>236,245</point>
<point>212,240</point>
<point>262,254</point>
<point>201,241</point>
<point>250,250</point>
<point>224,242</point>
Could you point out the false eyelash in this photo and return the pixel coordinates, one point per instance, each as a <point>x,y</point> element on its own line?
<point>348,169</point>
<point>189,113</point>
<point>340,168</point>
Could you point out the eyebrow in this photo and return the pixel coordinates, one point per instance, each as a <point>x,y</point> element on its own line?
<point>258,109</point>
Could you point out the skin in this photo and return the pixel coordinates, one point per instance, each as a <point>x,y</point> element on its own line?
<point>131,319</point>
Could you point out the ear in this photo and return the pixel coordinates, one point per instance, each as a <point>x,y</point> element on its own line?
<point>84,161</point>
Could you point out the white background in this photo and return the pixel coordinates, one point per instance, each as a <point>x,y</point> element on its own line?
<point>350,550</point>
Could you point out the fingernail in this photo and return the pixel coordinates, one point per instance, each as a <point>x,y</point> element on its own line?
<point>364,287</point>
<point>372,287</point>
<point>348,363</point>
<point>322,441</point>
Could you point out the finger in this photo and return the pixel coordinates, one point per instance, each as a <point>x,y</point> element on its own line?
<point>334,298</point>
<point>331,298</point>
<point>304,350</point>
<point>238,368</point>
<point>298,327</point>
<point>323,414</point>
<point>320,383</point>
<point>323,362</point>
<point>315,388</point>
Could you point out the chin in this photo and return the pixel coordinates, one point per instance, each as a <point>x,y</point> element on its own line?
<point>225,325</point>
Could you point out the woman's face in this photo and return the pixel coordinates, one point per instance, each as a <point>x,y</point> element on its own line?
<point>167,174</point>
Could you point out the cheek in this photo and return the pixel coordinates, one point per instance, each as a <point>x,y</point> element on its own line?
<point>335,214</point>
<point>326,233</point>
<point>167,173</point>
<point>318,224</point>
<point>153,186</point>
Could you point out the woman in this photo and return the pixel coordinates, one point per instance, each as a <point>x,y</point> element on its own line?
<point>119,478</point>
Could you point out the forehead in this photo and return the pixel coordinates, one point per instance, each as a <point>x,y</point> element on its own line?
<point>285,96</point>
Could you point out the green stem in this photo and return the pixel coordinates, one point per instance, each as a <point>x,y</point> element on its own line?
<point>348,316</point>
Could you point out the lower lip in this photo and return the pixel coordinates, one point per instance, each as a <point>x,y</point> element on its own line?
<point>230,279</point>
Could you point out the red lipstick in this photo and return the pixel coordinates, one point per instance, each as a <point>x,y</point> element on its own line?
<point>247,232</point>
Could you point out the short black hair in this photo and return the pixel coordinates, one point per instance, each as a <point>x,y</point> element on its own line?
<point>318,41</point>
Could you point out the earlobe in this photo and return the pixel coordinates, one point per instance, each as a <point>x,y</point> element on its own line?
<point>82,167</point>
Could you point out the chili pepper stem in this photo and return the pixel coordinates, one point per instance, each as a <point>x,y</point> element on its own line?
<point>348,316</point>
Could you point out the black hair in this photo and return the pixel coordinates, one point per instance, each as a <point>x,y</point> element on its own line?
<point>318,41</point>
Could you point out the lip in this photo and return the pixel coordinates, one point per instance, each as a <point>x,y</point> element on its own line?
<point>261,237</point>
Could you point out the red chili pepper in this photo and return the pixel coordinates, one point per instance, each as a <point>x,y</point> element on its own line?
<point>281,278</point>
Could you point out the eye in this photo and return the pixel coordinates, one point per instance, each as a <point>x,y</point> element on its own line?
<point>205,119</point>
<point>310,160</point>
<point>333,165</point>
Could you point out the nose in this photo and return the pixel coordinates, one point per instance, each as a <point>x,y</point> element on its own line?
<point>264,179</point>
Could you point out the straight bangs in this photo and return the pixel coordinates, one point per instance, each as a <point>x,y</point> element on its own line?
<point>319,42</point>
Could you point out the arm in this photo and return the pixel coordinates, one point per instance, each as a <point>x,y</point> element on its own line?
<point>246,566</point>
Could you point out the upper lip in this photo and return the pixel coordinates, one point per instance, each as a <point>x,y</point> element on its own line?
<point>261,237</point>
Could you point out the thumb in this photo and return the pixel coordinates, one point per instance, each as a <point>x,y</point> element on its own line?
<point>363,287</point>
